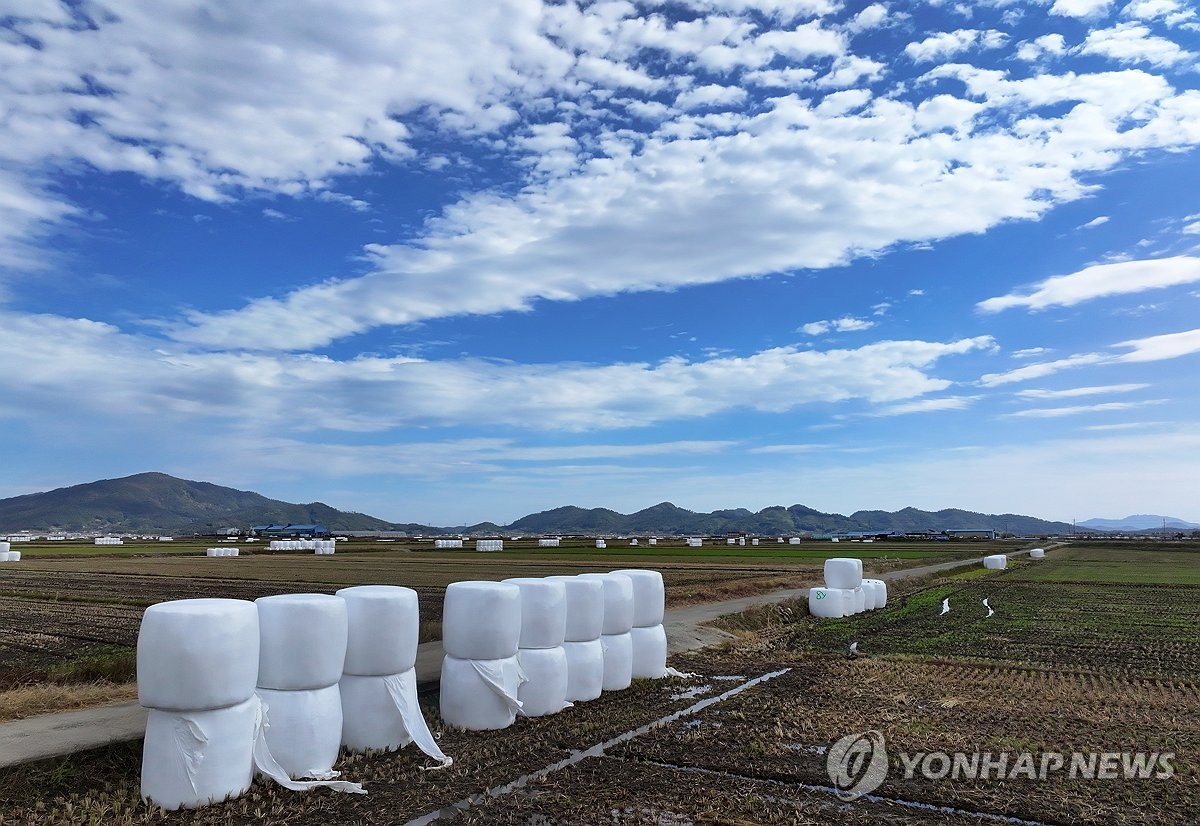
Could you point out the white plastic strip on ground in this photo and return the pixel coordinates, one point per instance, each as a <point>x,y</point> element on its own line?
<point>598,750</point>
<point>403,690</point>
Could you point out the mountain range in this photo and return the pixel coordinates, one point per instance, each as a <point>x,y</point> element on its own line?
<point>1139,522</point>
<point>159,503</point>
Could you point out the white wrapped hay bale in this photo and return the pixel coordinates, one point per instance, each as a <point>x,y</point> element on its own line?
<point>1037,553</point>
<point>197,654</point>
<point>653,540</point>
<point>212,552</point>
<point>382,713</point>
<point>695,543</point>
<point>995,562</point>
<point>877,590</point>
<point>618,660</point>
<point>302,641</point>
<point>618,602</point>
<point>480,695</point>
<point>825,603</point>
<point>545,688</point>
<point>543,612</point>
<point>860,599</point>
<point>848,602</point>
<point>584,607</point>
<point>649,646</point>
<point>649,596</point>
<point>585,670</point>
<point>14,556</point>
<point>481,620</point>
<point>600,543</point>
<point>383,626</point>
<point>304,729</point>
<point>843,572</point>
<point>193,758</point>
<point>753,541</point>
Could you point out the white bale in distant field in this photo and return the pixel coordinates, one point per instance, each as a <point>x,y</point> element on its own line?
<point>383,626</point>
<point>6,556</point>
<point>600,543</point>
<point>545,688</point>
<point>193,758</point>
<point>618,660</point>
<point>304,729</point>
<point>549,543</point>
<point>5,547</point>
<point>1037,553</point>
<point>825,602</point>
<point>649,645</point>
<point>618,602</point>
<point>753,541</point>
<point>481,620</point>
<point>996,562</point>
<point>795,540</point>
<point>695,543</point>
<point>14,556</point>
<point>843,572</point>
<point>480,695</point>
<point>653,540</point>
<point>585,607</point>
<point>585,670</point>
<point>731,541</point>
<point>543,611</point>
<point>649,596</point>
<point>302,641</point>
<point>860,599</point>
<point>197,654</point>
<point>212,551</point>
<point>877,590</point>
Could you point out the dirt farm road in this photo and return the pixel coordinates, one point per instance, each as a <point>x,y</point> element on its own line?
<point>66,732</point>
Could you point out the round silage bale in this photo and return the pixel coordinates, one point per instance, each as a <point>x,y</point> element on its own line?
<point>877,592</point>
<point>995,562</point>
<point>848,602</point>
<point>383,627</point>
<point>194,758</point>
<point>370,718</point>
<point>618,660</point>
<point>585,670</point>
<point>481,620</point>
<point>302,641</point>
<point>825,602</point>
<point>843,572</point>
<point>480,695</point>
<point>14,556</point>
<point>543,612</point>
<point>197,654</point>
<point>618,602</point>
<point>545,688</point>
<point>304,729</point>
<point>1037,553</point>
<point>649,596</point>
<point>860,599</point>
<point>649,652</point>
<point>585,607</point>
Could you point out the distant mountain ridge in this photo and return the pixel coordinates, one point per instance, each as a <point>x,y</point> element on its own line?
<point>157,502</point>
<point>1139,522</point>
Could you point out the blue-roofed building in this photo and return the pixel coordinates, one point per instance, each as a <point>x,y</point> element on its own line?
<point>290,529</point>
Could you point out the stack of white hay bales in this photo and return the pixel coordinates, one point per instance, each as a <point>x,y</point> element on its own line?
<point>540,649</point>
<point>846,593</point>
<point>222,552</point>
<point>7,554</point>
<point>581,641</point>
<point>731,541</point>
<point>616,641</point>
<point>1037,553</point>
<point>652,540</point>
<point>324,547</point>
<point>648,637</point>
<point>695,543</point>
<point>489,544</point>
<point>481,676</point>
<point>379,678</point>
<point>795,540</point>
<point>447,543</point>
<point>633,542</point>
<point>197,664</point>
<point>600,543</point>
<point>995,562</point>
<point>109,540</point>
<point>302,648</point>
<point>549,543</point>
<point>753,541</point>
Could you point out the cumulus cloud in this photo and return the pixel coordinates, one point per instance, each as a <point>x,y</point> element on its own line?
<point>845,324</point>
<point>1040,48</point>
<point>1081,8</point>
<point>947,44</point>
<point>1133,43</point>
<point>1100,281</point>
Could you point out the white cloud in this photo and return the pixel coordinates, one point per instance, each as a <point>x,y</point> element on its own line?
<point>947,44</point>
<point>711,95</point>
<point>1058,412</point>
<point>1159,348</point>
<point>1074,392</point>
<point>926,406</point>
<point>1170,12</point>
<point>1133,43</point>
<point>1081,8</point>
<point>1030,352</point>
<point>1046,368</point>
<point>1152,348</point>
<point>1099,220</point>
<point>1100,281</point>
<point>871,17</point>
<point>845,324</point>
<point>1048,45</point>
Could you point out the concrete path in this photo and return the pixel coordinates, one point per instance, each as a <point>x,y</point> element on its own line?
<point>66,732</point>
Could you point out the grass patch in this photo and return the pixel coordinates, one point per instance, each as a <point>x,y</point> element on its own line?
<point>44,698</point>
<point>107,663</point>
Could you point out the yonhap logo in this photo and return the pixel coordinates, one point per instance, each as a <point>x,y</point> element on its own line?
<point>857,764</point>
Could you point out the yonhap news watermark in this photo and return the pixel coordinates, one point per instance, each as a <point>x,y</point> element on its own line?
<point>859,763</point>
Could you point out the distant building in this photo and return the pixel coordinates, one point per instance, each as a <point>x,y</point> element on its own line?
<point>290,529</point>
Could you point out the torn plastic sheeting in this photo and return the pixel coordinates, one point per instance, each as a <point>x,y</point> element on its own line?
<point>480,695</point>
<point>383,625</point>
<point>197,654</point>
<point>544,691</point>
<point>402,688</point>
<point>618,661</point>
<point>649,596</point>
<point>649,657</point>
<point>382,713</point>
<point>585,607</point>
<point>304,729</point>
<point>302,641</point>
<point>265,763</point>
<point>618,602</point>
<point>481,620</point>
<point>585,670</point>
<point>543,612</point>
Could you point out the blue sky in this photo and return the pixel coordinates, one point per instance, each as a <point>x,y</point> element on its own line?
<point>458,261</point>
